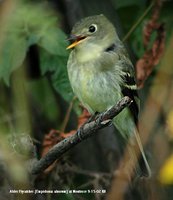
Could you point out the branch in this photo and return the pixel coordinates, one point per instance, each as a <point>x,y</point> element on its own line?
<point>84,132</point>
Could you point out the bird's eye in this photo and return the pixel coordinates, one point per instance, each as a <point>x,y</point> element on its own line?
<point>92,28</point>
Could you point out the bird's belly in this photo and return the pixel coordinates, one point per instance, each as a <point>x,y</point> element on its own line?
<point>97,92</point>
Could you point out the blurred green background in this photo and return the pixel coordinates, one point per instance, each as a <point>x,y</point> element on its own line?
<point>35,95</point>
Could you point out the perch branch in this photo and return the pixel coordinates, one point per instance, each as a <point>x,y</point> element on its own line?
<point>87,130</point>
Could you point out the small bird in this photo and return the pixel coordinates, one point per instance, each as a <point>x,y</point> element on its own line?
<point>101,73</point>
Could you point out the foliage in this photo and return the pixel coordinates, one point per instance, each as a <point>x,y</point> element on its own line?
<point>49,63</point>
<point>35,24</point>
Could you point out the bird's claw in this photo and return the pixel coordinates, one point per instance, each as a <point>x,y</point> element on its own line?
<point>79,133</point>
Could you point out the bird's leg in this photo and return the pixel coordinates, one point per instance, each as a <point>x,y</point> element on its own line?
<point>80,130</point>
<point>100,120</point>
<point>93,117</point>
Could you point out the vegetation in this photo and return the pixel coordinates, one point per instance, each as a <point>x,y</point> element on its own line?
<point>38,108</point>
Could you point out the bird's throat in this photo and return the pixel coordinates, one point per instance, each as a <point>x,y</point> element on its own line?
<point>86,53</point>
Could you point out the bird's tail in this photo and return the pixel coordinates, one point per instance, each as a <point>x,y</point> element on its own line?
<point>137,154</point>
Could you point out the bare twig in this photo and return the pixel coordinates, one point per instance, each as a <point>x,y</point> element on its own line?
<point>86,131</point>
<point>141,18</point>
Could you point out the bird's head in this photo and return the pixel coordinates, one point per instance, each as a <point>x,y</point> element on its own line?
<point>92,32</point>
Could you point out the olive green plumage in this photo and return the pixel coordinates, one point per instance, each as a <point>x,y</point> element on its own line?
<point>99,69</point>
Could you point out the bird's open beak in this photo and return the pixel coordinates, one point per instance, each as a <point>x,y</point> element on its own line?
<point>75,39</point>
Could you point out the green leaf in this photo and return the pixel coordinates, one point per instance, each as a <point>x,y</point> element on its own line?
<point>40,89</point>
<point>32,39</point>
<point>54,41</point>
<point>61,84</point>
<point>29,24</point>
<point>12,55</point>
<point>59,77</point>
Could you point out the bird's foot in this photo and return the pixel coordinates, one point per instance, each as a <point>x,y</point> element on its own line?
<point>100,120</point>
<point>93,117</point>
<point>80,130</point>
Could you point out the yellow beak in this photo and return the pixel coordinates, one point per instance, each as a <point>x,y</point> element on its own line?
<point>78,40</point>
<point>73,44</point>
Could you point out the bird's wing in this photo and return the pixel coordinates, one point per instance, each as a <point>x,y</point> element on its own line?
<point>129,87</point>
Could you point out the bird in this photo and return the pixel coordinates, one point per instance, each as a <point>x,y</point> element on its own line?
<point>101,73</point>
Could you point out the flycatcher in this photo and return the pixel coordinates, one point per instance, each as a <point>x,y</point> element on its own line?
<point>101,73</point>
